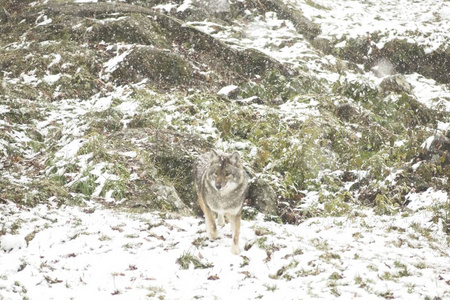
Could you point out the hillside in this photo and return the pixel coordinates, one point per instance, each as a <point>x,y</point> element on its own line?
<point>341,113</point>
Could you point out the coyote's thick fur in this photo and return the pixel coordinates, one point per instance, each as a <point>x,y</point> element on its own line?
<point>221,186</point>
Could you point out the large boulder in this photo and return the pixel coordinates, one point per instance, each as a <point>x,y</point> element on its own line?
<point>263,197</point>
<point>437,149</point>
<point>395,84</point>
<point>157,65</point>
<point>167,197</point>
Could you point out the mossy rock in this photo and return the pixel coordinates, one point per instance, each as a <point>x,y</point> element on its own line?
<point>347,112</point>
<point>437,65</point>
<point>413,113</point>
<point>263,197</point>
<point>406,57</point>
<point>129,29</point>
<point>253,62</point>
<point>165,158</point>
<point>396,84</point>
<point>159,66</point>
<point>158,197</point>
<point>355,49</point>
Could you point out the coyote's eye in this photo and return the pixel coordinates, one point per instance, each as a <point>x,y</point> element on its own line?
<point>227,174</point>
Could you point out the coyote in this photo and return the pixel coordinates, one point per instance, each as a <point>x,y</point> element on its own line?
<point>221,186</point>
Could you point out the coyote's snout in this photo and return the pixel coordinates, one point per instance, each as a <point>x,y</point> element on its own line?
<point>221,186</point>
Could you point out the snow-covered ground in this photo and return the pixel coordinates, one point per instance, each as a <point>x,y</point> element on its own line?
<point>93,253</point>
<point>50,252</point>
<point>424,22</point>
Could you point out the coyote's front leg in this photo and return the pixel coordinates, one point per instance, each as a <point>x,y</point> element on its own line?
<point>211,228</point>
<point>235,228</point>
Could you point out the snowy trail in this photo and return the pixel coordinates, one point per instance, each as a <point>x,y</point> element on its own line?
<point>87,253</point>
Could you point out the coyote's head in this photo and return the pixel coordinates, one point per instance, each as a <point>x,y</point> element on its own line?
<point>225,171</point>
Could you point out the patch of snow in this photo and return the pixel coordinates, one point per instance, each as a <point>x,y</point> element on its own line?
<point>429,92</point>
<point>131,154</point>
<point>426,199</point>
<point>167,7</point>
<point>425,22</point>
<point>70,150</point>
<point>102,104</point>
<point>185,5</point>
<point>128,108</point>
<point>55,61</point>
<point>4,109</point>
<point>45,20</point>
<point>102,177</point>
<point>51,79</point>
<point>112,64</point>
<point>11,242</point>
<point>299,110</point>
<point>30,79</point>
<point>428,142</point>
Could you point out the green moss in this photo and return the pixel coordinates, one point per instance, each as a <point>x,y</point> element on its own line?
<point>175,167</point>
<point>249,213</point>
<point>33,193</point>
<point>85,185</point>
<point>96,145</point>
<point>276,85</point>
<point>157,65</point>
<point>187,258</point>
<point>339,205</point>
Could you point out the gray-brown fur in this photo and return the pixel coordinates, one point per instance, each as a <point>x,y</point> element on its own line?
<point>221,185</point>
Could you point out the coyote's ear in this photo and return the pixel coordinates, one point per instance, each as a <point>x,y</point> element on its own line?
<point>214,155</point>
<point>235,159</point>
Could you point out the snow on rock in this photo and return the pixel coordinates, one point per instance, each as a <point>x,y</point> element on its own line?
<point>112,64</point>
<point>43,20</point>
<point>229,92</point>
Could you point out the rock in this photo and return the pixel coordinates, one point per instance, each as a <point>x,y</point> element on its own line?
<point>284,11</point>
<point>436,143</point>
<point>229,92</point>
<point>346,112</point>
<point>278,100</point>
<point>156,65</point>
<point>436,149</point>
<point>395,84</point>
<point>263,197</point>
<point>250,100</point>
<point>200,10</point>
<point>167,196</point>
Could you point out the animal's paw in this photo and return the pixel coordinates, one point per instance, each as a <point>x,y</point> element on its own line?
<point>235,249</point>
<point>213,235</point>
